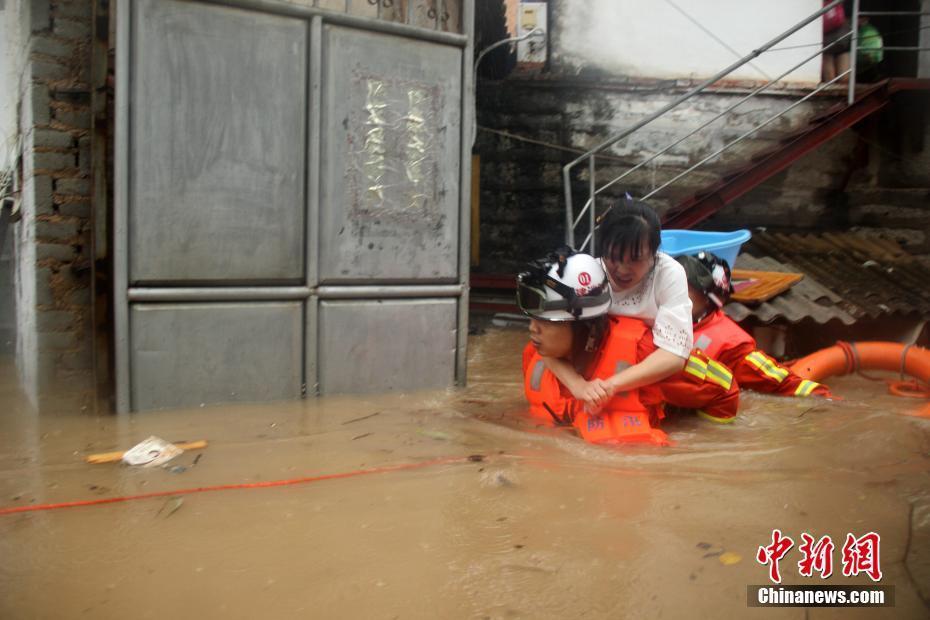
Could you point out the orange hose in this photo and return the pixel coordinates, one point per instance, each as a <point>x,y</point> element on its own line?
<point>227,487</point>
<point>847,357</point>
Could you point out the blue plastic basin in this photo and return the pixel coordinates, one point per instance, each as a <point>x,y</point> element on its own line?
<point>726,245</point>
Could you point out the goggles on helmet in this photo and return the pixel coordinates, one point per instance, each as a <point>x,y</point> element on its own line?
<point>532,297</point>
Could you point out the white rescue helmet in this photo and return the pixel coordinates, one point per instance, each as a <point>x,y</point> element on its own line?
<point>564,286</point>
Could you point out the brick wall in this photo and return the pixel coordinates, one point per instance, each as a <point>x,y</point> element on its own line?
<point>53,238</point>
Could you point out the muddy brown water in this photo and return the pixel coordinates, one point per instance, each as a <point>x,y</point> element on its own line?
<point>545,526</point>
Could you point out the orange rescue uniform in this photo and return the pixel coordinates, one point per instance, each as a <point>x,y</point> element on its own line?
<point>629,416</point>
<point>720,338</point>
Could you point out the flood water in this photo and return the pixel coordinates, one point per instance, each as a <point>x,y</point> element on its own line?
<point>537,524</point>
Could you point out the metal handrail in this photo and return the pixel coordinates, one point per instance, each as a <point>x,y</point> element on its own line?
<point>571,222</point>
<point>742,137</point>
<point>755,92</point>
<point>749,133</point>
<point>853,47</point>
<point>590,209</point>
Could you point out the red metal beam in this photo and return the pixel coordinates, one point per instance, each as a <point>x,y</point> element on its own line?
<point>702,205</point>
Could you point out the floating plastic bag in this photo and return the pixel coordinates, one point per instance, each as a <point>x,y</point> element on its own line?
<point>151,452</point>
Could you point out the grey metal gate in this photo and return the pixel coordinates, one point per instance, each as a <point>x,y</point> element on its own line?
<point>291,203</point>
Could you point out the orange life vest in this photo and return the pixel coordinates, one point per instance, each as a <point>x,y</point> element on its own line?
<point>718,334</point>
<point>623,419</point>
<point>542,389</point>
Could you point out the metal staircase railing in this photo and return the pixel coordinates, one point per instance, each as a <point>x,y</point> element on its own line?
<point>590,206</point>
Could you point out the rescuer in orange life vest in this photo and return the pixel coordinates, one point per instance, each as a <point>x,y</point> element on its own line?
<point>719,337</point>
<point>567,298</point>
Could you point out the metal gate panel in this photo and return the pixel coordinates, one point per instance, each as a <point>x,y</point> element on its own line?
<point>217,176</point>
<point>391,153</point>
<point>291,208</point>
<point>386,345</point>
<point>188,354</point>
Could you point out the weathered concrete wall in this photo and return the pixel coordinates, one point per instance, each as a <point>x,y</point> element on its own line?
<point>11,63</point>
<point>874,178</point>
<point>53,238</point>
<point>685,38</point>
<point>612,63</point>
<point>7,297</point>
<point>522,212</point>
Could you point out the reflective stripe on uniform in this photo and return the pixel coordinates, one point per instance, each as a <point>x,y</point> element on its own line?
<point>767,365</point>
<point>806,387</point>
<point>696,367</point>
<point>719,374</point>
<point>702,342</point>
<point>621,366</point>
<point>714,418</point>
<point>536,377</point>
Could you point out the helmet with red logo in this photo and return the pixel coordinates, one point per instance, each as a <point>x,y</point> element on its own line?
<point>564,286</point>
<point>709,274</point>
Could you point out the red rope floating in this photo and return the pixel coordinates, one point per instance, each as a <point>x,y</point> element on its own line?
<point>230,487</point>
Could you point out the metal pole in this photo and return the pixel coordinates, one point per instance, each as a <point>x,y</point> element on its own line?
<point>567,190</point>
<point>755,53</point>
<point>592,187</point>
<point>745,135</point>
<point>853,52</point>
<point>311,377</point>
<point>584,210</point>
<point>121,209</point>
<point>467,129</point>
<point>755,92</point>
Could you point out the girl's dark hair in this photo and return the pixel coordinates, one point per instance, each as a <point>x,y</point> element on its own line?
<point>625,226</point>
<point>587,337</point>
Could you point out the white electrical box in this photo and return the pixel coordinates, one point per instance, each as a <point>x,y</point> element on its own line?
<point>532,15</point>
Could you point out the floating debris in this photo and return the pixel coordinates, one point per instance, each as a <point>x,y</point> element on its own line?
<point>115,457</point>
<point>170,507</point>
<point>729,558</point>
<point>151,452</point>
<point>364,417</point>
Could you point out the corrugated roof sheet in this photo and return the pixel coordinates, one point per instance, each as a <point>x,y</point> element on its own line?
<point>848,277</point>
